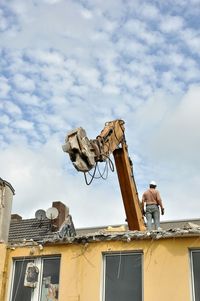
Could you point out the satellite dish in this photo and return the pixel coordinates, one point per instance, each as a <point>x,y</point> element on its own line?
<point>40,214</point>
<point>52,213</point>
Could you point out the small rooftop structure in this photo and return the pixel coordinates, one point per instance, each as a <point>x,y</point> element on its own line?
<point>5,183</point>
<point>6,198</point>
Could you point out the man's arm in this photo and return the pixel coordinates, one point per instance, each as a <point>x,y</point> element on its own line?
<point>159,200</point>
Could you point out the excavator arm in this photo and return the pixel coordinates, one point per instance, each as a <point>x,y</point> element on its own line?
<point>85,154</point>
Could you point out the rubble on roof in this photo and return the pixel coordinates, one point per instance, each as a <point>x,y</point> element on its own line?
<point>121,228</point>
<point>131,235</point>
<point>106,235</point>
<point>39,232</point>
<point>190,225</point>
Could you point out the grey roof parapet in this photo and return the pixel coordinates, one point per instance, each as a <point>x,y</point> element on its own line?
<point>189,230</point>
<point>126,236</point>
<point>3,182</point>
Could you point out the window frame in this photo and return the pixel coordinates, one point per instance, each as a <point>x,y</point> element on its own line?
<point>39,262</point>
<point>191,251</point>
<point>121,253</point>
<point>12,274</point>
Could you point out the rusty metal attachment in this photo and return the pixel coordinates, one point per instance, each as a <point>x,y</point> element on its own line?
<point>84,153</point>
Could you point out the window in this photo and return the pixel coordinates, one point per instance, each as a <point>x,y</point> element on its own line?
<point>195,261</point>
<point>122,277</point>
<point>35,279</point>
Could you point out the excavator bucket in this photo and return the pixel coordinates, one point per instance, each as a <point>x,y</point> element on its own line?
<point>80,150</point>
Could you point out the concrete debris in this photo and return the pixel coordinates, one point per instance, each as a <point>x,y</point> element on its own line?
<point>190,225</point>
<point>117,234</point>
<point>116,229</point>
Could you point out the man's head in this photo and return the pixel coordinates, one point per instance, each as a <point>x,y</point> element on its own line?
<point>152,184</point>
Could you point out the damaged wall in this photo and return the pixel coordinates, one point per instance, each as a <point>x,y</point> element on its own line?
<point>166,267</point>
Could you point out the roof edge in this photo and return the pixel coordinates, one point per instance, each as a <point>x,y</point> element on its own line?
<point>7,184</point>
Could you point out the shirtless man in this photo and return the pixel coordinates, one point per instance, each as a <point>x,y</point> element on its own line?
<point>151,198</point>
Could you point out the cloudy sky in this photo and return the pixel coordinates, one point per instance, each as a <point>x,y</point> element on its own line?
<point>70,63</point>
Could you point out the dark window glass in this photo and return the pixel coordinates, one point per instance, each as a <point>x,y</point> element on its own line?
<point>19,291</point>
<point>196,274</point>
<point>50,279</point>
<point>123,277</point>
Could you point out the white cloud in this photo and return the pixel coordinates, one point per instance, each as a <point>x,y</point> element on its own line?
<point>23,83</point>
<point>23,125</point>
<point>110,89</point>
<point>176,59</point>
<point>12,109</point>
<point>194,44</point>
<point>27,98</point>
<point>178,136</point>
<point>135,49</point>
<point>46,57</point>
<point>171,24</point>
<point>4,87</point>
<point>140,30</point>
<point>86,14</point>
<point>134,26</point>
<point>4,119</point>
<point>3,21</point>
<point>52,1</point>
<point>19,8</point>
<point>149,11</point>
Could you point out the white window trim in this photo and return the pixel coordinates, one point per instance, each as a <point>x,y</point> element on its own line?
<point>12,274</point>
<point>39,263</point>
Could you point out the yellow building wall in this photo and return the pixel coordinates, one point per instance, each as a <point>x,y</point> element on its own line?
<point>166,268</point>
<point>3,251</point>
